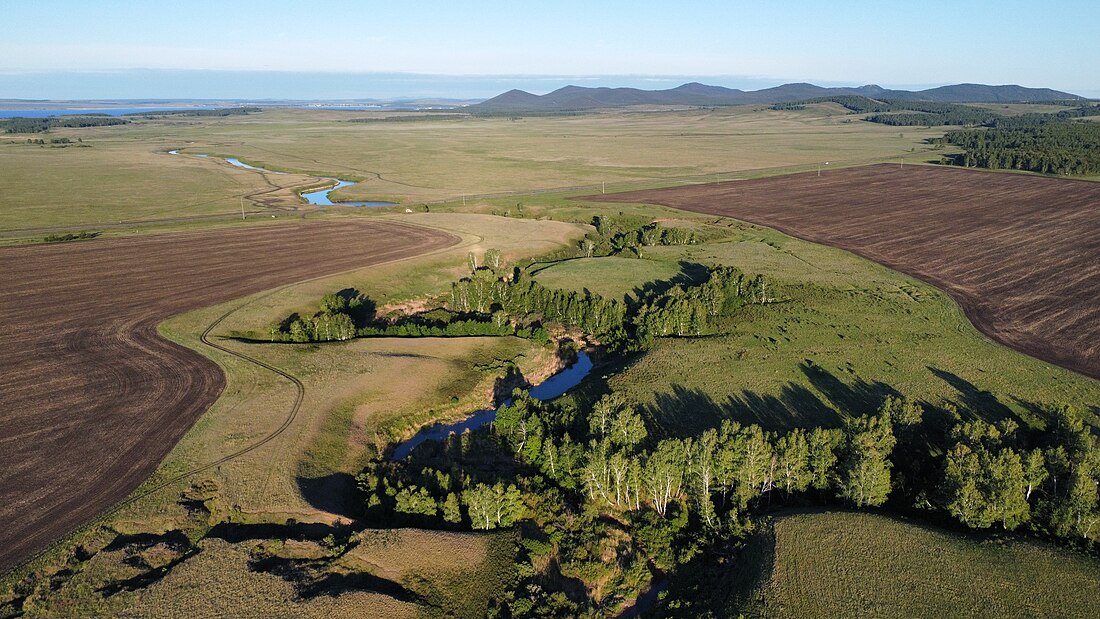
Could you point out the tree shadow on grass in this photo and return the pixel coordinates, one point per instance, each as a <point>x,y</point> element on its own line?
<point>335,584</point>
<point>982,404</point>
<point>688,412</point>
<point>859,397</point>
<point>335,494</point>
<point>691,273</point>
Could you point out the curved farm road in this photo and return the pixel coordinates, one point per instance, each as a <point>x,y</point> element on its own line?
<point>1019,253</point>
<point>92,398</point>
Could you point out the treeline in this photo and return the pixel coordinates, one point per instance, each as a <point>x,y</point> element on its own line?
<point>904,113</point>
<point>1031,120</point>
<point>1043,146</point>
<point>492,301</point>
<point>62,141</point>
<point>42,125</point>
<point>682,310</point>
<point>347,314</point>
<point>571,478</point>
<point>608,460</point>
<point>997,476</point>
<point>70,236</point>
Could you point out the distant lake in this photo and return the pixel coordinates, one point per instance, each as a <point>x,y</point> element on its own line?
<point>107,111</point>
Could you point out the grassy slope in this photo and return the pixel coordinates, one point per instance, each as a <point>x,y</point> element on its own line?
<point>851,332</point>
<point>857,564</point>
<point>124,174</point>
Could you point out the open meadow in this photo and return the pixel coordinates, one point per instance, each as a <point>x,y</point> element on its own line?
<point>123,173</point>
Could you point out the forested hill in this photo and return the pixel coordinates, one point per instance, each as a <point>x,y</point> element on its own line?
<point>577,98</point>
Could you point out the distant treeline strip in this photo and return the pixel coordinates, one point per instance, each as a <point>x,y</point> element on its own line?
<point>42,125</point>
<point>410,118</point>
<point>225,111</point>
<point>932,113</point>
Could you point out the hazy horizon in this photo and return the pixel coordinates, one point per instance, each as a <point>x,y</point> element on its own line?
<point>198,85</point>
<point>65,49</point>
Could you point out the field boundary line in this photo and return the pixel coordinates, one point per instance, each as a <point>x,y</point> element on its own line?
<point>455,241</point>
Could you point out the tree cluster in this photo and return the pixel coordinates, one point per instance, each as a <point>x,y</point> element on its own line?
<point>616,235</point>
<point>991,478</point>
<point>335,319</point>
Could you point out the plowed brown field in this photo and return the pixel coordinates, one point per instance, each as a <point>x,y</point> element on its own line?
<point>92,398</point>
<point>1020,254</point>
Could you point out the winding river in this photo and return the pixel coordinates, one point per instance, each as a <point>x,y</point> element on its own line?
<point>548,389</point>
<point>318,197</point>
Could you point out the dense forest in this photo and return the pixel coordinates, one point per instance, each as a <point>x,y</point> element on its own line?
<point>1047,147</point>
<point>42,125</point>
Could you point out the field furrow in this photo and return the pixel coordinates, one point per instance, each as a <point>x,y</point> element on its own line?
<point>93,398</point>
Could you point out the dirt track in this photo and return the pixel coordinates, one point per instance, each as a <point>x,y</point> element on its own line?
<point>92,398</point>
<point>1021,254</point>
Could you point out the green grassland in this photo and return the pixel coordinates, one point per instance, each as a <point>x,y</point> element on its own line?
<point>610,276</point>
<point>842,564</point>
<point>845,333</point>
<point>123,173</point>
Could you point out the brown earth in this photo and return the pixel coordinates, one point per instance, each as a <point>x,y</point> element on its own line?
<point>92,398</point>
<point>1020,254</point>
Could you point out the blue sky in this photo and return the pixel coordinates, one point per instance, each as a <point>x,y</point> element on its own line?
<point>744,44</point>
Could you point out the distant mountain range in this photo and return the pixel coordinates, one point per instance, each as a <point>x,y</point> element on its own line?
<point>576,98</point>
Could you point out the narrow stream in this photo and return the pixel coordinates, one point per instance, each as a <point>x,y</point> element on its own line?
<point>319,197</point>
<point>548,389</point>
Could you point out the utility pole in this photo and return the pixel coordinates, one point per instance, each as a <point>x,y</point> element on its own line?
<point>242,207</point>
<point>463,199</point>
<point>603,187</point>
